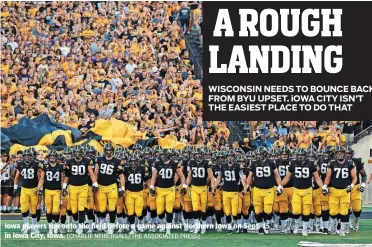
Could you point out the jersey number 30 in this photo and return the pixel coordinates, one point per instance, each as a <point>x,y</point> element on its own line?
<point>198,172</point>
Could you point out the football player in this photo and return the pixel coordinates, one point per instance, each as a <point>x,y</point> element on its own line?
<point>284,199</point>
<point>29,171</point>
<point>263,175</point>
<point>356,193</point>
<point>163,176</point>
<point>106,171</point>
<point>217,195</point>
<point>120,203</point>
<point>199,173</point>
<point>51,176</point>
<point>64,208</point>
<point>303,171</point>
<point>341,174</point>
<point>186,199</point>
<point>90,153</point>
<point>135,175</point>
<point>77,170</point>
<point>232,175</point>
<point>244,199</point>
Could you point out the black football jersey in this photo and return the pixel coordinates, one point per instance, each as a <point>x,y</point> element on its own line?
<point>341,174</point>
<point>53,176</point>
<point>359,165</point>
<point>77,171</point>
<point>134,178</point>
<point>283,166</point>
<point>166,173</point>
<point>108,170</point>
<point>231,177</point>
<point>216,170</point>
<point>199,172</point>
<point>302,173</point>
<point>263,174</point>
<point>29,173</point>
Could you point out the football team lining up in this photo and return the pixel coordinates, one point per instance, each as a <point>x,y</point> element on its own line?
<point>198,189</point>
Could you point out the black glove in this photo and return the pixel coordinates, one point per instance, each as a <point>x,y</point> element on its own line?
<point>362,187</point>
<point>64,192</point>
<point>349,189</point>
<point>39,193</point>
<point>152,191</point>
<point>183,191</point>
<point>94,189</point>
<point>121,193</point>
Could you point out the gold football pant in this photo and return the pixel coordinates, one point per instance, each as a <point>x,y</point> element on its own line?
<point>302,201</point>
<point>120,205</point>
<point>28,200</point>
<point>230,203</point>
<point>64,205</point>
<point>177,200</point>
<point>199,198</point>
<point>90,199</point>
<point>107,196</point>
<point>263,200</point>
<point>244,203</point>
<point>356,199</point>
<point>339,201</point>
<point>52,199</point>
<point>282,203</point>
<point>78,196</point>
<point>217,200</point>
<point>134,202</point>
<point>165,198</point>
<point>186,201</point>
<point>146,193</point>
<point>320,202</point>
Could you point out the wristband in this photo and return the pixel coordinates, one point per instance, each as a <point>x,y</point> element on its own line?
<point>280,187</point>
<point>122,188</point>
<point>152,187</point>
<point>95,184</point>
<point>64,186</point>
<point>362,185</point>
<point>184,186</point>
<point>324,186</point>
<point>352,185</point>
<point>16,186</point>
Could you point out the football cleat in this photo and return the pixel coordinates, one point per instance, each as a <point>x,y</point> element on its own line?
<point>261,231</point>
<point>304,232</point>
<point>79,231</point>
<point>325,231</point>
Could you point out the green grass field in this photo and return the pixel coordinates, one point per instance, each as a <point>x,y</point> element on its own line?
<point>212,239</point>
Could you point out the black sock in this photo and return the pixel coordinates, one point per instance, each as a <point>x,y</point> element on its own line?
<point>81,217</point>
<point>197,215</point>
<point>219,215</point>
<point>25,214</point>
<point>306,218</point>
<point>38,214</point>
<point>228,219</point>
<point>112,216</point>
<point>169,217</point>
<point>131,219</point>
<point>56,218</point>
<point>357,214</point>
<point>49,218</point>
<point>90,214</point>
<point>75,217</point>
<point>63,219</point>
<point>204,216</point>
<point>269,217</point>
<point>185,215</point>
<point>283,216</point>
<point>153,214</point>
<point>69,212</point>
<point>325,215</point>
<point>259,217</point>
<point>161,216</point>
<point>296,216</point>
<point>344,218</point>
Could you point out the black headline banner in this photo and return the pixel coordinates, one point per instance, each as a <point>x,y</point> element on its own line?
<point>278,74</point>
